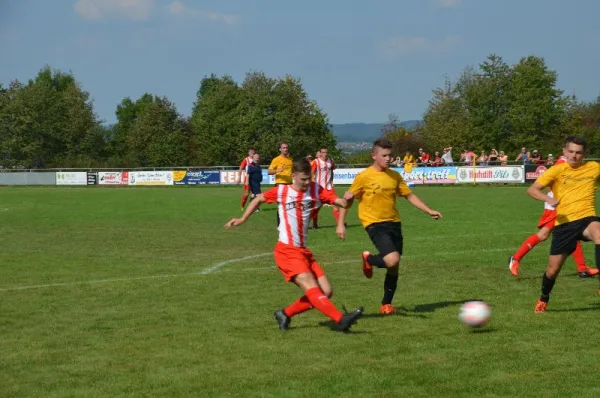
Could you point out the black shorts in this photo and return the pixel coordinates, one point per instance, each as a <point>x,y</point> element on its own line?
<point>386,236</point>
<point>565,236</point>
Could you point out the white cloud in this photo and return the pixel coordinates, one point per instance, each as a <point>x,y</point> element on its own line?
<point>179,10</point>
<point>100,9</point>
<point>404,46</point>
<point>448,3</point>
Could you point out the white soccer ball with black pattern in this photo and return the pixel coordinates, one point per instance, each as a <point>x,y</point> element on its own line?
<point>475,313</point>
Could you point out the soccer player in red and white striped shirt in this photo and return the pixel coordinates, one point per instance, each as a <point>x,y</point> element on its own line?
<point>244,170</point>
<point>322,168</point>
<point>296,202</point>
<point>545,227</point>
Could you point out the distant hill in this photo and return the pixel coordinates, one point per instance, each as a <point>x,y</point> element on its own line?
<point>364,132</point>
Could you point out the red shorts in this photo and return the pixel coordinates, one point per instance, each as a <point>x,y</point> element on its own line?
<point>547,219</point>
<point>293,261</point>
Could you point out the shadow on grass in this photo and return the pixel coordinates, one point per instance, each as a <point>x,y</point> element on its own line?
<point>562,275</point>
<point>334,327</point>
<point>482,330</point>
<point>593,307</point>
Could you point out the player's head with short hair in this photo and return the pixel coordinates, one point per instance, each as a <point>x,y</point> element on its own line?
<point>284,148</point>
<point>574,150</point>
<point>576,140</point>
<point>251,151</point>
<point>256,157</point>
<point>323,151</point>
<point>382,154</point>
<point>301,175</point>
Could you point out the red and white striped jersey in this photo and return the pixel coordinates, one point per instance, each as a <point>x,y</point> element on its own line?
<point>246,163</point>
<point>560,160</point>
<point>295,209</point>
<point>323,171</point>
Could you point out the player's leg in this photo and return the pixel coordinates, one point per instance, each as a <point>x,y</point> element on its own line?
<point>300,268</point>
<point>541,235</point>
<point>245,196</point>
<point>255,190</point>
<point>582,268</point>
<point>564,241</point>
<point>592,233</point>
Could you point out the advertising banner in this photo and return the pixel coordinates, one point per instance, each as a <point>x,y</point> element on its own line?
<point>229,177</point>
<point>490,174</point>
<point>71,178</point>
<point>151,177</point>
<point>429,175</point>
<point>345,176</point>
<point>533,171</point>
<point>92,178</point>
<point>113,178</point>
<point>196,177</point>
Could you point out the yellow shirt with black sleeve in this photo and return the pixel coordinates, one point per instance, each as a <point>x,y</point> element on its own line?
<point>574,188</point>
<point>284,177</point>
<point>377,192</point>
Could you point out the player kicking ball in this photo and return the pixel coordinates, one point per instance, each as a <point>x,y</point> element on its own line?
<point>296,203</point>
<point>545,227</point>
<point>574,188</point>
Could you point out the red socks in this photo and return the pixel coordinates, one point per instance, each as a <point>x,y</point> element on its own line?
<point>321,302</point>
<point>297,307</point>
<point>244,199</point>
<point>527,245</point>
<point>336,214</point>
<point>579,258</point>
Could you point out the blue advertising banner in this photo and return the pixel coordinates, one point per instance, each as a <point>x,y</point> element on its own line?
<point>196,177</point>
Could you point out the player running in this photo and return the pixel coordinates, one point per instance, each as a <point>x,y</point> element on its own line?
<point>322,169</point>
<point>377,188</point>
<point>296,203</point>
<point>545,226</point>
<point>574,187</point>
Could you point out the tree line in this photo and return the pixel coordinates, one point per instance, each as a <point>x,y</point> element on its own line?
<point>50,121</point>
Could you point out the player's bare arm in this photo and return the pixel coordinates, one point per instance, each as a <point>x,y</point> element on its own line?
<point>536,191</point>
<point>419,204</point>
<point>257,201</point>
<point>340,230</point>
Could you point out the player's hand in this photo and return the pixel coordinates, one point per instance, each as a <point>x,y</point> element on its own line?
<point>348,196</point>
<point>279,170</point>
<point>552,202</point>
<point>340,231</point>
<point>234,222</point>
<point>436,215</point>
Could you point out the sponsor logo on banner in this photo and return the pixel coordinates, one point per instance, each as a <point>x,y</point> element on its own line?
<point>491,174</point>
<point>345,176</point>
<point>112,178</point>
<point>179,177</point>
<point>429,175</point>
<point>203,177</point>
<point>229,177</point>
<point>532,172</point>
<point>151,178</point>
<point>71,178</point>
<point>92,178</point>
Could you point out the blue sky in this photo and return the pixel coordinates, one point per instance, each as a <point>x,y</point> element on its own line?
<point>360,60</point>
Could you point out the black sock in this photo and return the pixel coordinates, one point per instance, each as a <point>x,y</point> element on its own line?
<point>376,261</point>
<point>598,257</point>
<point>547,285</point>
<point>278,220</point>
<point>389,287</point>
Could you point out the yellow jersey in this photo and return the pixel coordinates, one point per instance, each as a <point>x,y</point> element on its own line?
<point>574,188</point>
<point>284,177</point>
<point>377,192</point>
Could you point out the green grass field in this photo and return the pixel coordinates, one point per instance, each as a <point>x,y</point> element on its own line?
<point>141,292</point>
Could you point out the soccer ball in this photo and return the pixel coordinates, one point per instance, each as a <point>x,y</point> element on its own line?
<point>475,313</point>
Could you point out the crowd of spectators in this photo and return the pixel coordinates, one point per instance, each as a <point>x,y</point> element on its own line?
<point>467,157</point>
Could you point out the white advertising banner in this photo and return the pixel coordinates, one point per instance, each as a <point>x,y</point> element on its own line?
<point>345,176</point>
<point>71,178</point>
<point>112,178</point>
<point>491,174</point>
<point>151,178</point>
<point>229,177</point>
